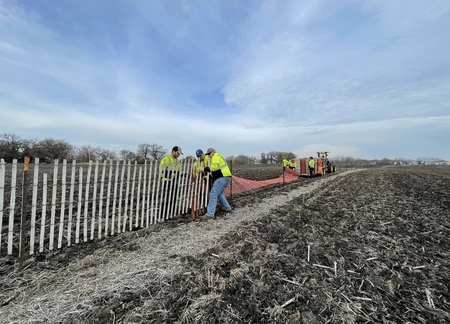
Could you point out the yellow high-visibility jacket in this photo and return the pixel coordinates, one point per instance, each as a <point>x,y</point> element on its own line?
<point>219,167</point>
<point>169,167</point>
<point>311,163</point>
<point>292,165</point>
<point>199,163</point>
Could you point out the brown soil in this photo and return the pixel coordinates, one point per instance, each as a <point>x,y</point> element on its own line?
<point>368,247</point>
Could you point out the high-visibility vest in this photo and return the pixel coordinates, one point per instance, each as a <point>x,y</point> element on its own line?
<point>199,163</point>
<point>219,166</point>
<point>293,164</point>
<point>168,166</point>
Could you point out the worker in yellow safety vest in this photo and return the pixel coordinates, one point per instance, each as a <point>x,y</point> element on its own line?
<point>221,176</point>
<point>200,162</point>
<point>311,165</point>
<point>292,164</point>
<point>170,169</point>
<point>285,163</point>
<point>319,166</point>
<point>169,165</point>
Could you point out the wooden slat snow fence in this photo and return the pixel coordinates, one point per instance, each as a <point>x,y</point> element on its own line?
<point>72,203</point>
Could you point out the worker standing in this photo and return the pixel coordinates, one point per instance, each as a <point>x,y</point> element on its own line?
<point>311,165</point>
<point>285,163</point>
<point>292,164</point>
<point>201,185</point>
<point>170,169</point>
<point>200,162</point>
<point>319,166</point>
<point>221,175</point>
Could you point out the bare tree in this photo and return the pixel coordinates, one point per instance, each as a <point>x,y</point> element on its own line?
<point>156,152</point>
<point>87,153</point>
<point>52,148</point>
<point>73,153</point>
<point>277,156</point>
<point>11,146</point>
<point>105,154</point>
<point>127,155</point>
<point>263,158</point>
<point>244,159</point>
<point>143,151</point>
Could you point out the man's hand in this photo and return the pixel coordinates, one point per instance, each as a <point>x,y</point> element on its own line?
<point>200,169</point>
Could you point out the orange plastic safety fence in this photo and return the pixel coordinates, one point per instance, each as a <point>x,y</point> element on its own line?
<point>200,189</point>
<point>239,185</point>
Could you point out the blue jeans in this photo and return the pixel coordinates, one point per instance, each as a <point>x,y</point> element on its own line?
<point>217,193</point>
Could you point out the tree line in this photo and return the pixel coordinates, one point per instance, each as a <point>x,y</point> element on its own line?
<point>13,146</point>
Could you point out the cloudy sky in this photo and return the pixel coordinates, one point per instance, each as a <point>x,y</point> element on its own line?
<point>366,79</point>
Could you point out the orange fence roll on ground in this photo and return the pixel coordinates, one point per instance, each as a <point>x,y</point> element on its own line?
<point>239,185</point>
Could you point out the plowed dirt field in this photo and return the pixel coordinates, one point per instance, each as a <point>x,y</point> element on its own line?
<point>366,246</point>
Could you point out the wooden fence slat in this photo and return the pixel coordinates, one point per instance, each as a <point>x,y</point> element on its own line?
<point>63,203</point>
<point>12,206</point>
<point>161,196</point>
<point>2,192</point>
<point>127,192</point>
<point>71,203</point>
<point>100,202</point>
<point>149,193</point>
<point>185,183</point>
<point>80,202</point>
<point>94,201</point>
<point>119,212</point>
<point>34,205</point>
<point>138,195</point>
<point>155,185</point>
<point>144,194</point>
<point>133,183</point>
<point>44,212</point>
<point>108,197</point>
<point>116,183</point>
<point>53,206</point>
<point>86,202</point>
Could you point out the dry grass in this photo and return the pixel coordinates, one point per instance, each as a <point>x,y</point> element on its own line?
<point>378,253</point>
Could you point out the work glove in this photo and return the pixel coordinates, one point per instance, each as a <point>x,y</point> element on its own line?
<point>205,178</point>
<point>200,169</point>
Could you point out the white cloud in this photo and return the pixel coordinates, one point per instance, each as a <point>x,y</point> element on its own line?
<point>364,79</point>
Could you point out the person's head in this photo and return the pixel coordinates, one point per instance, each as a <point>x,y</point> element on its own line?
<point>311,158</point>
<point>199,153</point>
<point>210,152</point>
<point>176,151</point>
<point>292,160</point>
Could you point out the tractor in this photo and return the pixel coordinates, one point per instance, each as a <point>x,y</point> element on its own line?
<point>323,163</point>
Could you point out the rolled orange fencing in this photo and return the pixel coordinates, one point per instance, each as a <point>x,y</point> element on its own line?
<point>239,185</point>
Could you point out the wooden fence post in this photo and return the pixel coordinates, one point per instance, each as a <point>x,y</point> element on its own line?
<point>24,210</point>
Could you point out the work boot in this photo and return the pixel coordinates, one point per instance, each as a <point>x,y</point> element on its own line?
<point>226,210</point>
<point>206,218</point>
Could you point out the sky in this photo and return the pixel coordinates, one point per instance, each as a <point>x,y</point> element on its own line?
<point>364,79</point>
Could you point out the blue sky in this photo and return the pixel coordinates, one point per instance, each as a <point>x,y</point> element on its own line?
<point>367,79</point>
